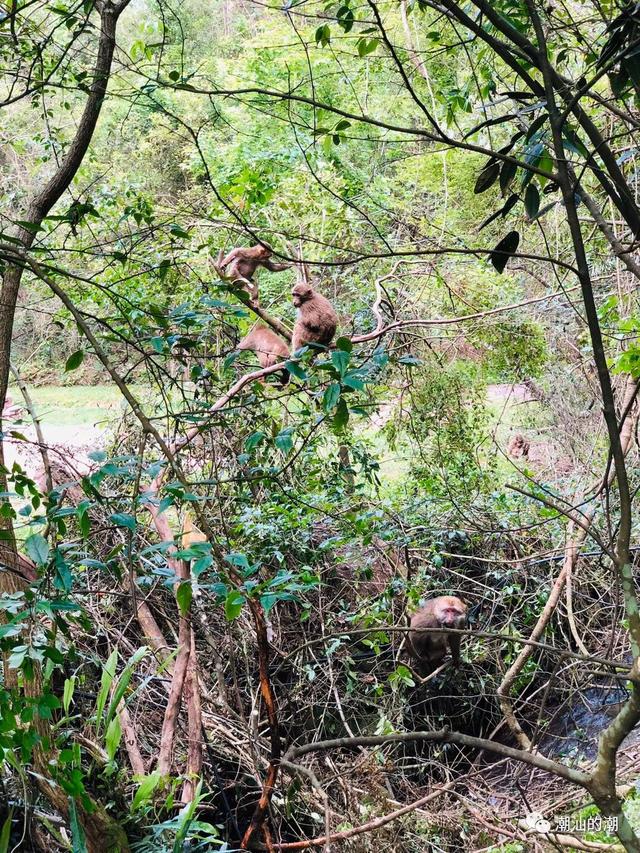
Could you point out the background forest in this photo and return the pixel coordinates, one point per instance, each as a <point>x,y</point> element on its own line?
<point>208,566</point>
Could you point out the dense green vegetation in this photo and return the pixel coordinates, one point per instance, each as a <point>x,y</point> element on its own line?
<point>207,566</point>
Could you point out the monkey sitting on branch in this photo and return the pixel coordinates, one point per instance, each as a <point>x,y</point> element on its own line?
<point>241,264</point>
<point>269,348</point>
<point>316,320</point>
<point>427,648</point>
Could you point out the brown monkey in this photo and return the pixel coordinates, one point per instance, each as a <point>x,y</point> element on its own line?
<point>428,649</point>
<point>316,321</point>
<point>518,446</point>
<point>242,264</point>
<point>269,348</point>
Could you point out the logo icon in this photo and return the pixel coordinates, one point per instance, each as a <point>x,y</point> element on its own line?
<point>538,823</point>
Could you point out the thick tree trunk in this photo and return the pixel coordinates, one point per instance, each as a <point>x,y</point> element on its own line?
<point>103,834</point>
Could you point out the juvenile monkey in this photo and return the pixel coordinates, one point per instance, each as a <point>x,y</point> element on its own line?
<point>242,264</point>
<point>429,649</point>
<point>269,348</point>
<point>316,321</point>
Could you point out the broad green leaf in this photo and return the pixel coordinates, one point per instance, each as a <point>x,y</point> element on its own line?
<point>330,397</point>
<point>184,595</point>
<point>233,605</point>
<point>344,344</point>
<point>341,416</point>
<point>254,440</point>
<point>504,250</point>
<point>532,201</point>
<point>147,786</point>
<point>123,519</point>
<point>487,177</point>
<point>295,370</point>
<point>37,548</point>
<point>284,440</point>
<point>75,360</point>
<point>237,559</point>
<point>340,360</point>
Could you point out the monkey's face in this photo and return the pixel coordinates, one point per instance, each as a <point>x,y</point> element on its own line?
<point>265,253</point>
<point>453,613</point>
<point>301,293</point>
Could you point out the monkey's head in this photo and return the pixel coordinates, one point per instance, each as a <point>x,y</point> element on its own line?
<point>301,293</point>
<point>264,251</point>
<point>452,612</point>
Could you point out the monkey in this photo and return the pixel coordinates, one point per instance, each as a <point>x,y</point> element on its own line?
<point>316,321</point>
<point>269,348</point>
<point>242,264</point>
<point>518,446</point>
<point>429,650</point>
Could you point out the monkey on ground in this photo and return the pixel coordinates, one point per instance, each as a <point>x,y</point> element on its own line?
<point>429,649</point>
<point>269,348</point>
<point>316,322</point>
<point>518,446</point>
<point>242,264</point>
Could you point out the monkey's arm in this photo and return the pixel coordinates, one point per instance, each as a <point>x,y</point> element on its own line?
<point>227,260</point>
<point>454,645</point>
<point>274,267</point>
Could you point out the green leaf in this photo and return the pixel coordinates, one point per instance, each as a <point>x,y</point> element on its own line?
<point>341,416</point>
<point>507,174</point>
<point>106,679</point>
<point>532,201</point>
<point>5,832</point>
<point>74,360</point>
<point>295,370</point>
<point>345,18</point>
<point>284,440</point>
<point>237,559</point>
<point>510,202</point>
<point>112,737</point>
<point>123,519</point>
<point>331,397</point>
<point>84,521</point>
<point>254,440</point>
<point>365,47</point>
<point>535,125</point>
<point>17,656</point>
<point>184,595</point>
<point>344,344</point>
<point>504,250</point>
<point>340,360</point>
<point>124,681</point>
<point>233,605</point>
<point>78,840</point>
<point>67,693</point>
<point>147,786</point>
<point>177,231</point>
<point>37,548</point>
<point>487,177</point>
<point>323,35</point>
